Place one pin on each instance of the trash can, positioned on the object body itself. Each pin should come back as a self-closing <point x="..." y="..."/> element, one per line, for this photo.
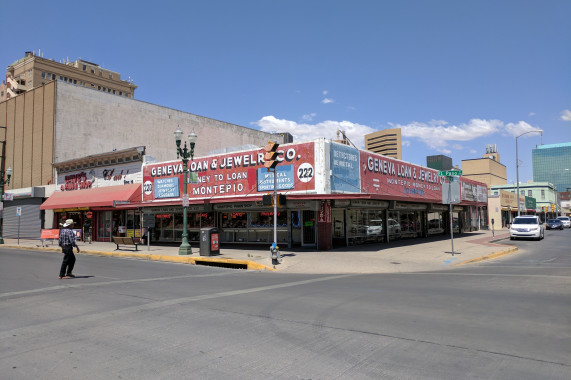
<point x="209" y="243"/>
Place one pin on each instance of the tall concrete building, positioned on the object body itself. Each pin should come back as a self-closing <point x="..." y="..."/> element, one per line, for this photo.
<point x="439" y="162"/>
<point x="33" y="71"/>
<point x="487" y="169"/>
<point x="552" y="163"/>
<point x="59" y="122"/>
<point x="387" y="142"/>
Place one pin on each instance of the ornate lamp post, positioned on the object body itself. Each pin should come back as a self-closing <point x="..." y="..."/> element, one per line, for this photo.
<point x="185" y="154"/>
<point x="2" y="183"/>
<point x="517" y="164"/>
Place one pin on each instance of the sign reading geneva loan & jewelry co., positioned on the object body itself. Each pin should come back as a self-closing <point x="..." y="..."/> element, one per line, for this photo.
<point x="232" y="174"/>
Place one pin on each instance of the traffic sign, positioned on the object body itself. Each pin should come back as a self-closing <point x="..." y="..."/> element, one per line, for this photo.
<point x="447" y="173"/>
<point x="19" y="211"/>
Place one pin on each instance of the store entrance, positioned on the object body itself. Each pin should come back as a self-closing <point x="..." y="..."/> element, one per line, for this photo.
<point x="308" y="229"/>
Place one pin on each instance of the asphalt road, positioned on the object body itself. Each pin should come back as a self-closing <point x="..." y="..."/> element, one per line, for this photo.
<point x="134" y="319"/>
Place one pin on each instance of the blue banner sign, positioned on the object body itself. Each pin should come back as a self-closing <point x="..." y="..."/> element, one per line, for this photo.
<point x="285" y="178"/>
<point x="345" y="169"/>
<point x="166" y="188"/>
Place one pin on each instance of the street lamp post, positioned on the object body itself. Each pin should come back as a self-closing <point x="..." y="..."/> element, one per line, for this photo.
<point x="185" y="154"/>
<point x="3" y="182"/>
<point x="517" y="164"/>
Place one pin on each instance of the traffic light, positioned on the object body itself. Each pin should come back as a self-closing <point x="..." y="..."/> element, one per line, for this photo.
<point x="552" y="207"/>
<point x="282" y="200"/>
<point x="267" y="200"/>
<point x="271" y="156"/>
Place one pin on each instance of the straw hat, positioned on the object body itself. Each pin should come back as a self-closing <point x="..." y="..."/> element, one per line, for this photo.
<point x="68" y="222"/>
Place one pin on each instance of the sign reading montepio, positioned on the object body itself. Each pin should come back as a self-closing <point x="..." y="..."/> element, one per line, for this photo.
<point x="386" y="176"/>
<point x="232" y="174"/>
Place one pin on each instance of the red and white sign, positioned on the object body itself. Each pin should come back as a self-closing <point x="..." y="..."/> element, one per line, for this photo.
<point x="235" y="174"/>
<point x="214" y="242"/>
<point x="398" y="179"/>
<point x="324" y="215"/>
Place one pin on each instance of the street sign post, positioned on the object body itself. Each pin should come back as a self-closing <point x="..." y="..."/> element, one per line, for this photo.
<point x="450" y="195"/>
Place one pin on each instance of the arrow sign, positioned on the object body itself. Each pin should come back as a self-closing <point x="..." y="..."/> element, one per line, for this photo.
<point x="448" y="173"/>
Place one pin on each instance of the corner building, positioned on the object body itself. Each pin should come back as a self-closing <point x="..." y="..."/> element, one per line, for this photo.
<point x="336" y="196"/>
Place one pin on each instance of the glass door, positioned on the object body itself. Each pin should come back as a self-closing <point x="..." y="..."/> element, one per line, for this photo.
<point x="309" y="225"/>
<point x="104" y="225"/>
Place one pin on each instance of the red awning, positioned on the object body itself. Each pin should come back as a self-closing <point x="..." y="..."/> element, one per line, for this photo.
<point x="97" y="197"/>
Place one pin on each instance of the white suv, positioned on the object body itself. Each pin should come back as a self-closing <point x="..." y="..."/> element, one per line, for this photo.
<point x="528" y="226"/>
<point x="565" y="220"/>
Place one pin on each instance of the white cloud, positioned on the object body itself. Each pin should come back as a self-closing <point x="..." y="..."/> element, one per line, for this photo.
<point x="309" y="116"/>
<point x="532" y="114"/>
<point x="437" y="133"/>
<point x="326" y="129"/>
<point x="519" y="128"/>
<point x="327" y="100"/>
<point x="473" y="151"/>
<point x="566" y="115"/>
<point x="325" y="92"/>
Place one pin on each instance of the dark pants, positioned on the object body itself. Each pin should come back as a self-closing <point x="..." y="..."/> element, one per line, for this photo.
<point x="68" y="260"/>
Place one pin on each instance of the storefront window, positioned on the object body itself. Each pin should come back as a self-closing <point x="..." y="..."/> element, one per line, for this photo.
<point x="410" y="223"/>
<point x="365" y="226"/>
<point x="266" y="219"/>
<point x="338" y="219"/>
<point x="234" y="220"/>
<point x="435" y="223"/>
<point x="207" y="219"/>
<point x="394" y="225"/>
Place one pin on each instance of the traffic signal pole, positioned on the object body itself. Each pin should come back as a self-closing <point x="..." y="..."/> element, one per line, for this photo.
<point x="275" y="207"/>
<point x="271" y="161"/>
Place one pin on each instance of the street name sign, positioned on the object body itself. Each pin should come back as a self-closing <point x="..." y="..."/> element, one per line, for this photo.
<point x="448" y="173"/>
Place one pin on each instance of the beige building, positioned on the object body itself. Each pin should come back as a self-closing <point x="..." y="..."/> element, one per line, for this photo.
<point x="487" y="169"/>
<point x="59" y="122"/>
<point x="387" y="142"/>
<point x="33" y="71"/>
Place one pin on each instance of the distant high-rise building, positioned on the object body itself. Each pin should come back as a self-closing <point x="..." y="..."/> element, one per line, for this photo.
<point x="487" y="169"/>
<point x="439" y="162"/>
<point x="386" y="142"/>
<point x="33" y="71"/>
<point x="552" y="163"/>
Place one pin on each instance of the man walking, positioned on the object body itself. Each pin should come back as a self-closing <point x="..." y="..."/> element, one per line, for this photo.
<point x="67" y="242"/>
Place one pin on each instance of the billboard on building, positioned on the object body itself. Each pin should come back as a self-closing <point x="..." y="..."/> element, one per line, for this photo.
<point x="232" y="174"/>
<point x="344" y="161"/>
<point x="398" y="179"/>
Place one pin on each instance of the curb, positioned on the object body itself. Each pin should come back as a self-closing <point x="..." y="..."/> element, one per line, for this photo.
<point x="250" y="265"/>
<point x="490" y="256"/>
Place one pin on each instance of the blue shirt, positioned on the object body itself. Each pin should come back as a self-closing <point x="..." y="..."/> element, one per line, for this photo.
<point x="67" y="237"/>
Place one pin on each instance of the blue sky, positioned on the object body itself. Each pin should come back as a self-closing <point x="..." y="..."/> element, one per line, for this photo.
<point x="454" y="75"/>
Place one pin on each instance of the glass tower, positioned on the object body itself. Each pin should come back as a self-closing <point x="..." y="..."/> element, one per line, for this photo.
<point x="552" y="163"/>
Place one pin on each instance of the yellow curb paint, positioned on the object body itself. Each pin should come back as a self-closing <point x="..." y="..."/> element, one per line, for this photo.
<point x="489" y="257"/>
<point x="250" y="265"/>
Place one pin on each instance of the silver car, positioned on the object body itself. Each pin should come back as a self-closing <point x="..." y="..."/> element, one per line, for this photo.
<point x="565" y="220"/>
<point x="527" y="226"/>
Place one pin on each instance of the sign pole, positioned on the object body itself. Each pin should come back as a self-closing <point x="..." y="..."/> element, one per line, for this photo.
<point x="275" y="207"/>
<point x="450" y="179"/>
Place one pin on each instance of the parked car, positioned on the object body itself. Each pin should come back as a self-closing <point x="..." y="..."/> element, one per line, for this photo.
<point x="527" y="226"/>
<point x="554" y="224"/>
<point x="565" y="220"/>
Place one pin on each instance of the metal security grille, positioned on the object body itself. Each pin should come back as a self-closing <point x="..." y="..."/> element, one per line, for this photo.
<point x="30" y="221"/>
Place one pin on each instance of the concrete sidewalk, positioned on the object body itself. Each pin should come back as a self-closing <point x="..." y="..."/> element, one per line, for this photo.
<point x="415" y="255"/>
